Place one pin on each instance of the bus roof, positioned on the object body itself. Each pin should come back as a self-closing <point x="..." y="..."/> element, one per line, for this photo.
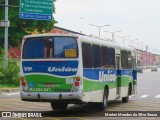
<point x="85" y="38"/>
<point x="105" y="42"/>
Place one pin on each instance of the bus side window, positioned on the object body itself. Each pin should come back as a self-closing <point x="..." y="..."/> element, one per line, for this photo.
<point x="108" y="57"/>
<point x="87" y="55"/>
<point x="105" y="56"/>
<point x="112" y="57"/>
<point x="130" y="65"/>
<point x="124" y="59"/>
<point x="96" y="53"/>
<point x="47" y="49"/>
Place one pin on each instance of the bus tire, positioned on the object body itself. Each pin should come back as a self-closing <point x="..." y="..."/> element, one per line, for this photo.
<point x="126" y="99"/>
<point x="103" y="104"/>
<point x="59" y="106"/>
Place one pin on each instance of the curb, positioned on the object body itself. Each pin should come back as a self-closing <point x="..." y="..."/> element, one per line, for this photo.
<point x="9" y="90"/>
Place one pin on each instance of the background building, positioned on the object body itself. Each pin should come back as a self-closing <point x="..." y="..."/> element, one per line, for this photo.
<point x="144" y="58"/>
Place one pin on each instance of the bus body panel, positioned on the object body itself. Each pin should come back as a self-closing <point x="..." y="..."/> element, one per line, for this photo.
<point x="53" y="79"/>
<point x="51" y="96"/>
<point x="50" y="76"/>
<point x="95" y="80"/>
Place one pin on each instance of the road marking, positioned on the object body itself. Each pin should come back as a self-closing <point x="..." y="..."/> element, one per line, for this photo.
<point x="157" y="96"/>
<point x="144" y="96"/>
<point x="131" y="96"/>
<point x="10" y="93"/>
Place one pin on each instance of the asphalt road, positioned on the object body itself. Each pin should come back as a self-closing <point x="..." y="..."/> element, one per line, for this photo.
<point x="147" y="99"/>
<point x="148" y="86"/>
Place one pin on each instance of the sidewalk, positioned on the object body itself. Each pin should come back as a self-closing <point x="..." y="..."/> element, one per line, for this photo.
<point x="9" y="90"/>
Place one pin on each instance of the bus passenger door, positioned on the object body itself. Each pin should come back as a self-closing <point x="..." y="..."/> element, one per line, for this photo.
<point x="118" y="72"/>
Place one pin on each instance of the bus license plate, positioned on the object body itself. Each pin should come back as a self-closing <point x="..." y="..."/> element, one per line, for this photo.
<point x="49" y="85"/>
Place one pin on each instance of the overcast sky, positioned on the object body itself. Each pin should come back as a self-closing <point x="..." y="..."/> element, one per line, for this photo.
<point x="140" y="19"/>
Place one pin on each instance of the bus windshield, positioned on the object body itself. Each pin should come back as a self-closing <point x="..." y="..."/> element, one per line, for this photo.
<point x="50" y="47"/>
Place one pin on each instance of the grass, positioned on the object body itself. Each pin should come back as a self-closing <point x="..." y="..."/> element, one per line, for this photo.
<point x="8" y="86"/>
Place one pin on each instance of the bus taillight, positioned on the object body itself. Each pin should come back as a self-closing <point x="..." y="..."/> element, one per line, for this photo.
<point x="76" y="83"/>
<point x="78" y="78"/>
<point x="22" y="78"/>
<point x="23" y="83"/>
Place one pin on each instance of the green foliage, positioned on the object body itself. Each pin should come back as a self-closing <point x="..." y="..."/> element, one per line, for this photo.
<point x="9" y="76"/>
<point x="20" y="27"/>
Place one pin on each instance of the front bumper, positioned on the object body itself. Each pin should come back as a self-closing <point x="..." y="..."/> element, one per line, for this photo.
<point x="48" y="97"/>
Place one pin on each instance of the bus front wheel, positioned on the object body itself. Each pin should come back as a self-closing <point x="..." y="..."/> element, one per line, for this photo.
<point x="59" y="106"/>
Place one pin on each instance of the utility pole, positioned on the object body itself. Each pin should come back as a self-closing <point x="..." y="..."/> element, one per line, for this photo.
<point x="113" y="38"/>
<point x="6" y="36"/>
<point x="132" y="41"/>
<point x="99" y="28"/>
<point x="123" y="37"/>
<point x="5" y="23"/>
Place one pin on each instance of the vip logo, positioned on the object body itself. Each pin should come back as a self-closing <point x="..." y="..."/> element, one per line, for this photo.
<point x="27" y="68"/>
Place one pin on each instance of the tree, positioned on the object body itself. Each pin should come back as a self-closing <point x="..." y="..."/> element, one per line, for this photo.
<point x="20" y="27"/>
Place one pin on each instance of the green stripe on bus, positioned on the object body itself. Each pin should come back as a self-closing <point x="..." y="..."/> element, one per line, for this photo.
<point x="124" y="81"/>
<point x="89" y="85"/>
<point x="41" y="81"/>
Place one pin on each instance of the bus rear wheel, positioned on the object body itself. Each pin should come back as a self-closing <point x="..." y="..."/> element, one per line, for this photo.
<point x="103" y="104"/>
<point x="126" y="99"/>
<point x="59" y="106"/>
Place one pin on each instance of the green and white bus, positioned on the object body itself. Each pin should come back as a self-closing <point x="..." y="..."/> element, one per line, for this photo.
<point x="73" y="69"/>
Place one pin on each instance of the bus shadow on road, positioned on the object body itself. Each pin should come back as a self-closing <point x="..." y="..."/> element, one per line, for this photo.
<point x="84" y="110"/>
